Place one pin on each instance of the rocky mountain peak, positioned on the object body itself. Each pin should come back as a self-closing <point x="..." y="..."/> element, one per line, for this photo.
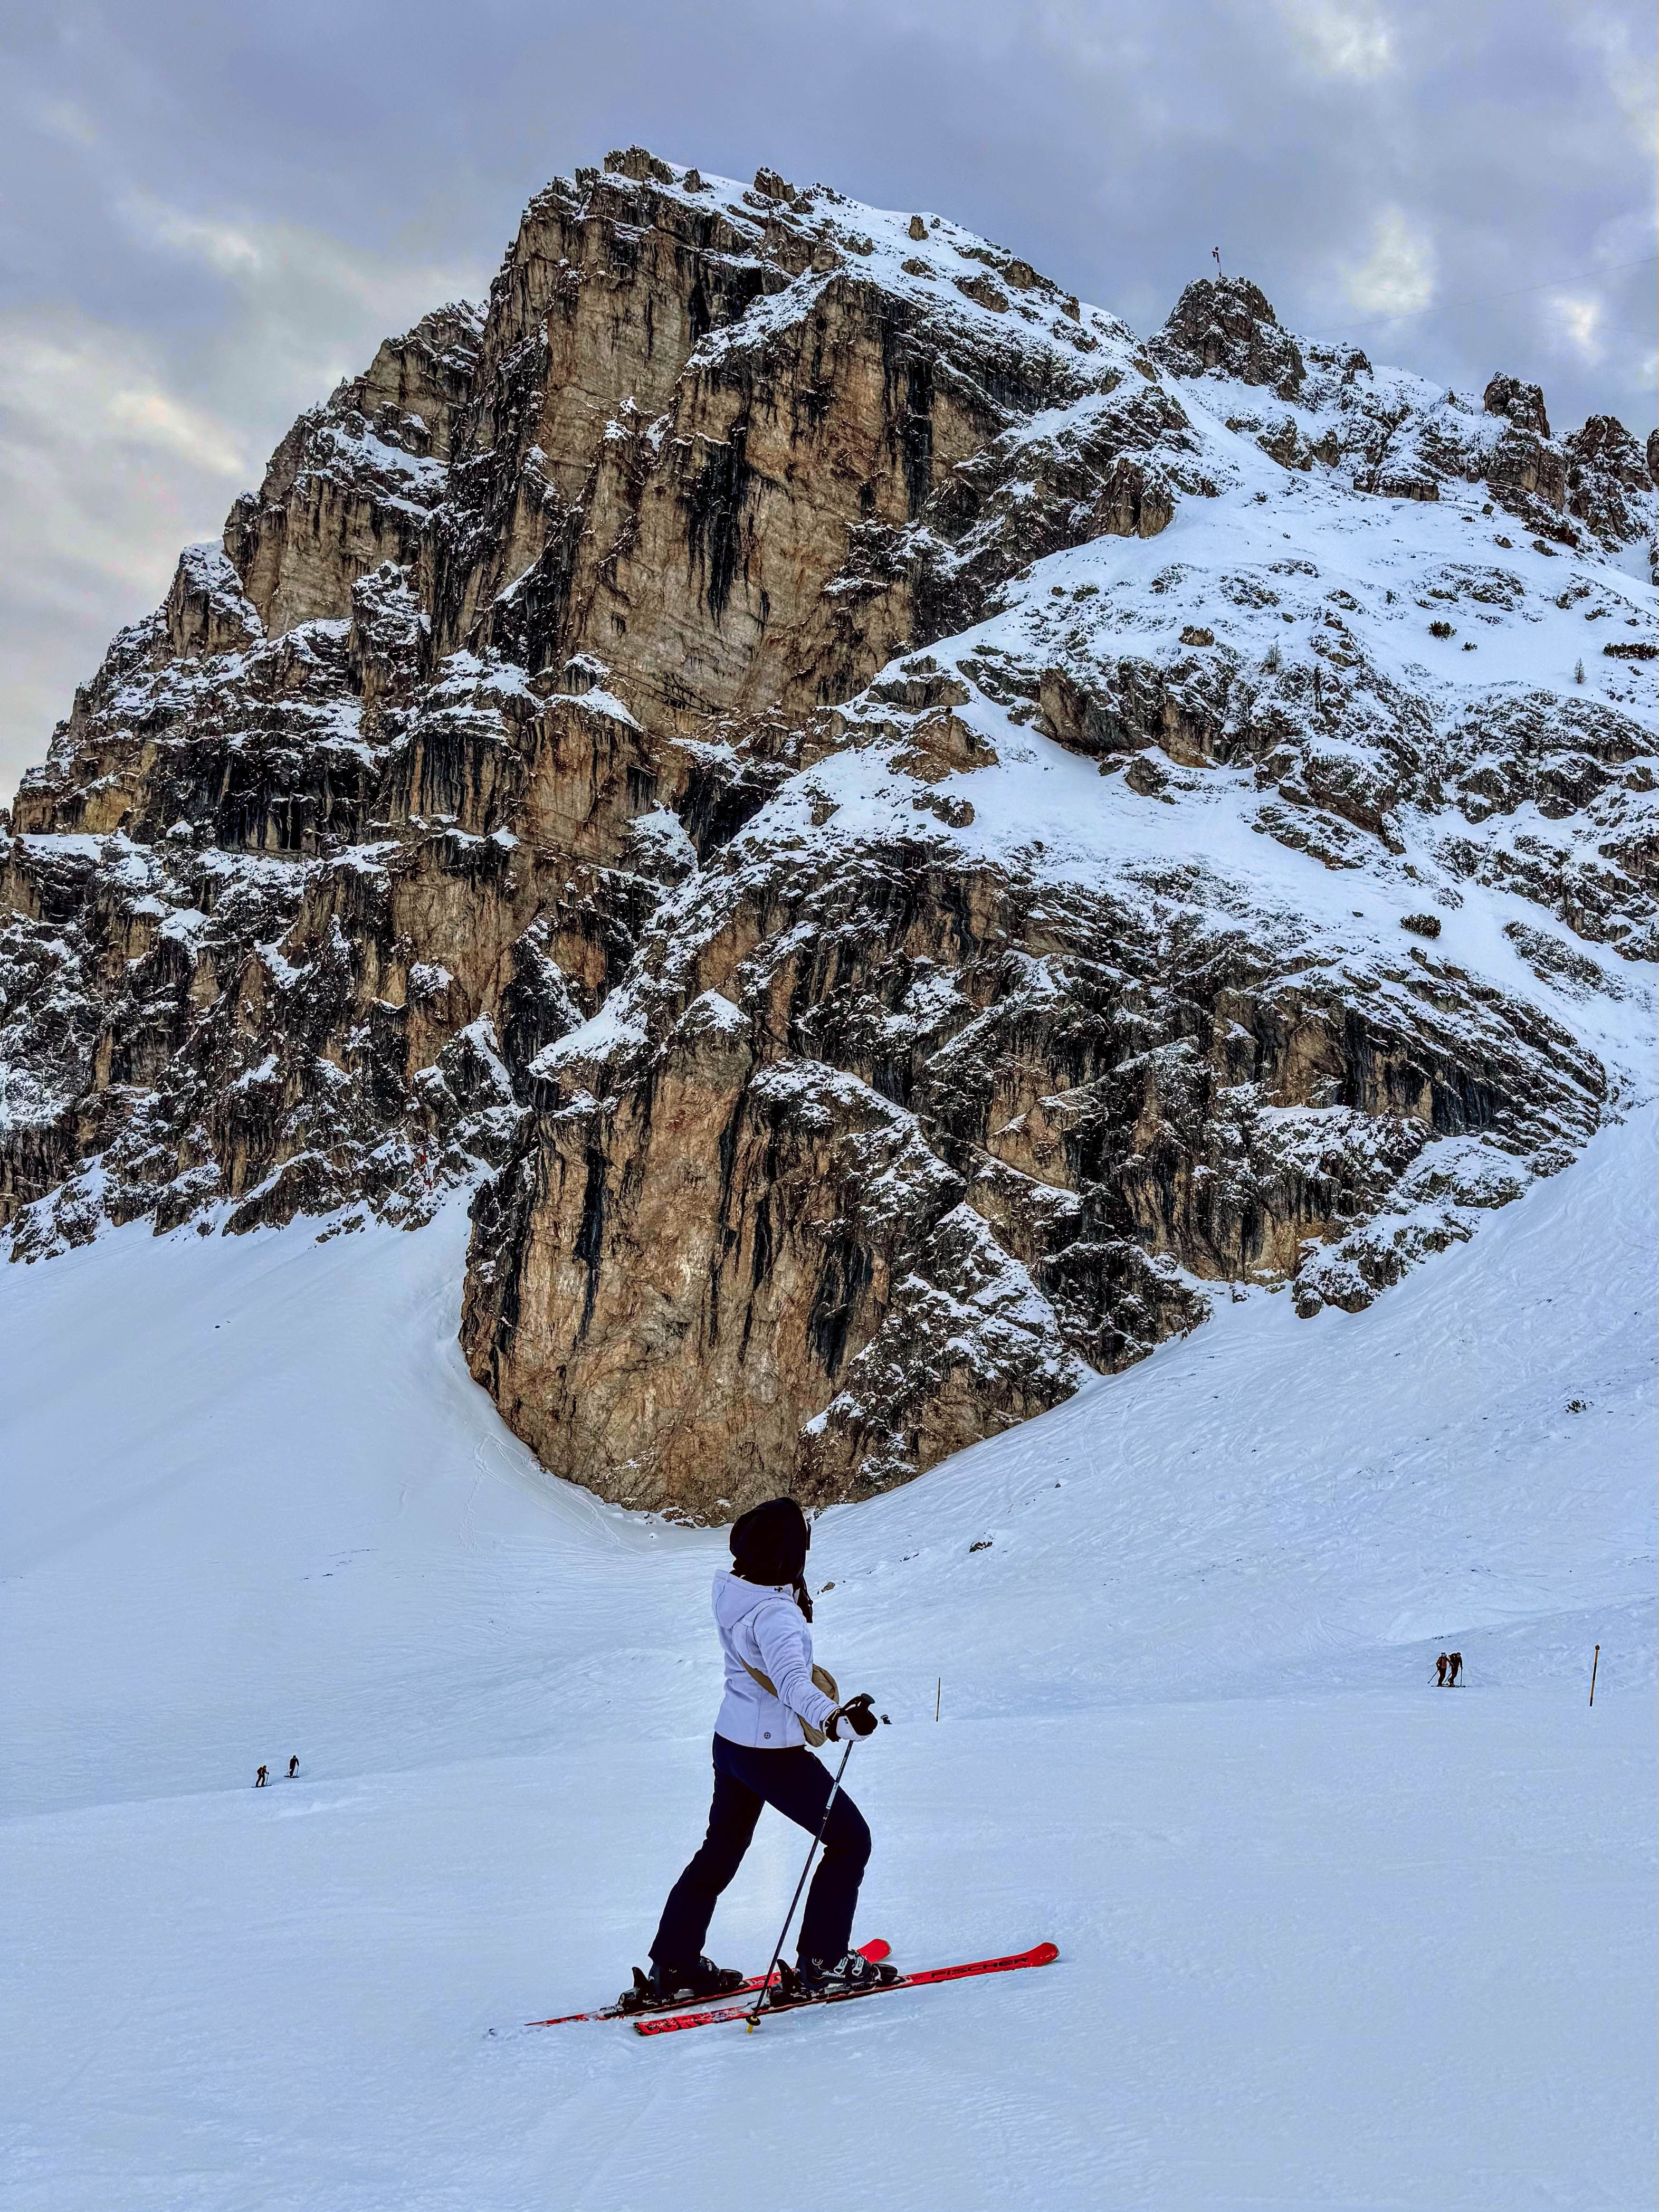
<point x="898" y="838"/>
<point x="1518" y="402"/>
<point x="1227" y="323"/>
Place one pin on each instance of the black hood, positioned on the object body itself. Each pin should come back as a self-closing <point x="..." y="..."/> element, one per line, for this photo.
<point x="770" y="1542"/>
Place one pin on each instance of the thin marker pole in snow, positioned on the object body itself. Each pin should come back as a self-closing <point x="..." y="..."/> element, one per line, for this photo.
<point x="1594" y="1663"/>
<point x="939" y="1691"/>
<point x="777" y="1948"/>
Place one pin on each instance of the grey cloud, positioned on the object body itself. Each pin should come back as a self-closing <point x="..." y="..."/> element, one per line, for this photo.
<point x="211" y="214"/>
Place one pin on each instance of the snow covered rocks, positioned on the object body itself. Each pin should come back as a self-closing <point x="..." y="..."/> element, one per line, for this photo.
<point x="895" y="832"/>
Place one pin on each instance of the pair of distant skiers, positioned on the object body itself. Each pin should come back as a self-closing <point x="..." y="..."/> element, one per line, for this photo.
<point x="263" y="1775"/>
<point x="1447" y="1669"/>
<point x="775" y="1701"/>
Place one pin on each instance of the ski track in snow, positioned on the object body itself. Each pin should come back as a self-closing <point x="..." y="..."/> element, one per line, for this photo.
<point x="1328" y="1937"/>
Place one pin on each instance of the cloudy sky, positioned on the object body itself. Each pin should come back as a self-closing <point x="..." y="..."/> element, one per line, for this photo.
<point x="210" y="212"/>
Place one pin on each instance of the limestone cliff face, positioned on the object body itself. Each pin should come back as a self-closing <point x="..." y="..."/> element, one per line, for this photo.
<point x="894" y="832"/>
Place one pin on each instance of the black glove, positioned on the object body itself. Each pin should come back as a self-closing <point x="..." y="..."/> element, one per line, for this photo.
<point x="856" y="1713"/>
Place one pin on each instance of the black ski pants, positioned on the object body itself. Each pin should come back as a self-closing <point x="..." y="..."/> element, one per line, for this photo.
<point x="793" y="1781"/>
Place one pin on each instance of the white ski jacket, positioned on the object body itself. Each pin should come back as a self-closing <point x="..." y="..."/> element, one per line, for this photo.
<point x="766" y="1627"/>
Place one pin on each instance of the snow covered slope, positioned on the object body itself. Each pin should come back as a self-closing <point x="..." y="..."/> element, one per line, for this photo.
<point x="1328" y="1937"/>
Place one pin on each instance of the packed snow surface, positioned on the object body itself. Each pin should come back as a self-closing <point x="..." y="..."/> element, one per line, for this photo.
<point x="1328" y="1936"/>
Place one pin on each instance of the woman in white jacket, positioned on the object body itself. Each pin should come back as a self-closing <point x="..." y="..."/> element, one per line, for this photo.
<point x="763" y="1614"/>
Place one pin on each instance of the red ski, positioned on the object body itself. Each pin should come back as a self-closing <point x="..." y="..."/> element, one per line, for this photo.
<point x="875" y="1952"/>
<point x="1043" y="1955"/>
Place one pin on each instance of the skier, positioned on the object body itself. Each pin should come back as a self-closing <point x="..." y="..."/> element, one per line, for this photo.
<point x="1453" y="1668"/>
<point x="294" y="1766"/>
<point x="260" y="1779"/>
<point x="775" y="1701"/>
<point x="1440" y="1666"/>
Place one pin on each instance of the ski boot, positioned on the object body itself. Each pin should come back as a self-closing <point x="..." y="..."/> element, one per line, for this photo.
<point x="851" y="1975"/>
<point x="665" y="1986"/>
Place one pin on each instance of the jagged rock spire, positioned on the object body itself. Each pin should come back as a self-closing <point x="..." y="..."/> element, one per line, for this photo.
<point x="1227" y="323"/>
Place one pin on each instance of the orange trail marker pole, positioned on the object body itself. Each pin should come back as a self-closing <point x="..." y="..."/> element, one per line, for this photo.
<point x="1594" y="1663"/>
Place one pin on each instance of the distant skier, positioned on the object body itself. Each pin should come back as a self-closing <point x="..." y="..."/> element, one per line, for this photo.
<point x="260" y="1779"/>
<point x="775" y="1701"/>
<point x="294" y="1766"/>
<point x="1440" y="1667"/>
<point x="1453" y="1668"/>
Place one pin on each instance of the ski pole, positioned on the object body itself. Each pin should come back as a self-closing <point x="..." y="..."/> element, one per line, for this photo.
<point x="777" y="1949"/>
